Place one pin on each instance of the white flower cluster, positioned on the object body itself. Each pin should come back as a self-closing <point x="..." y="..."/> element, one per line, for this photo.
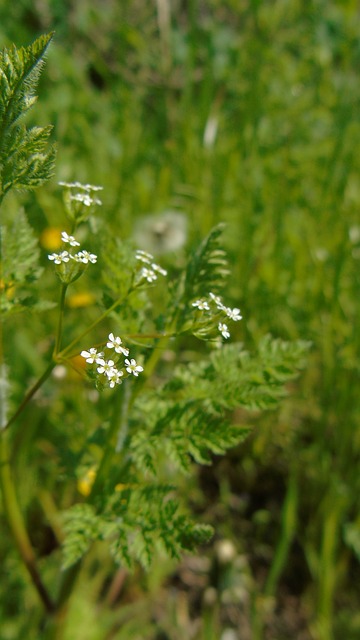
<point x="108" y="370"/>
<point x="84" y="195"/>
<point x="82" y="187"/>
<point x="85" y="199"/>
<point x="151" y="270"/>
<point x="207" y="305"/>
<point x="81" y="256"/>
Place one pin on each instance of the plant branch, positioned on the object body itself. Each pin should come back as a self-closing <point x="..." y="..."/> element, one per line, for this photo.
<point x="64" y="352"/>
<point x="61" y="318"/>
<point x="30" y="394"/>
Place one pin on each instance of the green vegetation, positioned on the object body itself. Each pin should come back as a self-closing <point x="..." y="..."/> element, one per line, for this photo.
<point x="244" y="113"/>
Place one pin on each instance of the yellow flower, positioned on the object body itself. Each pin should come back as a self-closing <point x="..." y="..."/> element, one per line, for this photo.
<point x="81" y="299"/>
<point x="50" y="238"/>
<point x="85" y="483"/>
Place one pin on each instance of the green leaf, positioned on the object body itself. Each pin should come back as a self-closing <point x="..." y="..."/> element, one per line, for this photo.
<point x="82" y="528"/>
<point x="188" y="419"/>
<point x="207" y="269"/>
<point x="25" y="159"/>
<point x="19" y="267"/>
<point x="146" y="517"/>
<point x="206" y="272"/>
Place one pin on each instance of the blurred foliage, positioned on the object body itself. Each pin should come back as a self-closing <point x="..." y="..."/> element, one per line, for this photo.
<point x="247" y="113"/>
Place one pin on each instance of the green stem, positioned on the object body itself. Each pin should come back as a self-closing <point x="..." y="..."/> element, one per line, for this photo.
<point x="30" y="394"/>
<point x="61" y="319"/>
<point x="288" y="530"/>
<point x="17" y="526"/>
<point x="152" y="362"/>
<point x="71" y="574"/>
<point x="103" y="469"/>
<point x="94" y="324"/>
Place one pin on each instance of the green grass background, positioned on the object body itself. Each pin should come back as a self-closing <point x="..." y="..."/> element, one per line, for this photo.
<point x="248" y="112"/>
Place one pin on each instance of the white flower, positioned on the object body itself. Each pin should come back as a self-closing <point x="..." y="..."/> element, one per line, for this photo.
<point x="159" y="269"/>
<point x="78" y="185"/>
<point x="85" y="199"/>
<point x="92" y="355"/>
<point x="217" y="301"/>
<point x="148" y="274"/>
<point x="115" y="343"/>
<point x="106" y="367"/>
<point x="144" y="256"/>
<point x="202" y="305"/>
<point x="85" y="257"/>
<point x="115" y="378"/>
<point x="224" y="330"/>
<point x="70" y="185"/>
<point x="70" y="239"/>
<point x="233" y="314"/>
<point x="92" y="187"/>
<point x="132" y="367"/>
<point x="58" y="258"/>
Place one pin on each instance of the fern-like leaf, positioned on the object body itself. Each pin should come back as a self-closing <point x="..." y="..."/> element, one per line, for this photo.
<point x="188" y="419"/>
<point x="149" y="517"/>
<point x="20" y="269"/>
<point x="25" y="159"/>
<point x="207" y="271"/>
<point x="82" y="528"/>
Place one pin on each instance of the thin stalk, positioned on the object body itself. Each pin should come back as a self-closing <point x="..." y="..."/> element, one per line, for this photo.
<point x="335" y="506"/>
<point x="151" y="364"/>
<point x="30" y="394"/>
<point x="61" y="319"/>
<point x="288" y="530"/>
<point x="64" y="352"/>
<point x="110" y="449"/>
<point x="17" y="525"/>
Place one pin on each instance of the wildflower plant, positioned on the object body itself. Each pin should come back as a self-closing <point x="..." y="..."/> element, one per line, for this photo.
<point x="158" y="423"/>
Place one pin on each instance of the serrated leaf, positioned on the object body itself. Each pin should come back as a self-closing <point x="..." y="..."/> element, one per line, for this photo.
<point x="20" y="269"/>
<point x="25" y="160"/>
<point x="82" y="527"/>
<point x="206" y="272"/>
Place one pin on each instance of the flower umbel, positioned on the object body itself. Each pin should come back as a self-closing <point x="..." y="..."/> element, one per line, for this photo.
<point x="80" y="200"/>
<point x="216" y="314"/>
<point x="71" y="272"/>
<point x="151" y="271"/>
<point x="109" y="371"/>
